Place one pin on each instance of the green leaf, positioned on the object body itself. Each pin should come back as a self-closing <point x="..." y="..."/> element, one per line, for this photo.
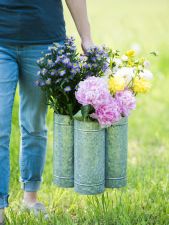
<point x="70" y="109"/>
<point x="155" y="53"/>
<point x="78" y="116"/>
<point x="86" y="110"/>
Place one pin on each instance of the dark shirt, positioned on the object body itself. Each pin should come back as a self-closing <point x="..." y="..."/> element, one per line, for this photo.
<point x="31" y="21"/>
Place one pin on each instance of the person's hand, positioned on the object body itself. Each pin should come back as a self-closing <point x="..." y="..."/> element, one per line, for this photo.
<point x="86" y="44"/>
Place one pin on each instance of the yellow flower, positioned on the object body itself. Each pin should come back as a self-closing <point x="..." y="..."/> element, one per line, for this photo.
<point x="130" y="53"/>
<point x="116" y="84"/>
<point x="130" y="63"/>
<point x="141" y="85"/>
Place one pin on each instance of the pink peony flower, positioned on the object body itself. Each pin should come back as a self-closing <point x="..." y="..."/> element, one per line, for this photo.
<point x="93" y="91"/>
<point x="126" y="101"/>
<point x="107" y="114"/>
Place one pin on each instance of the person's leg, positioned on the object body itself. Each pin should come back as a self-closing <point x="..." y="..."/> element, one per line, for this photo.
<point x="33" y="110"/>
<point x="8" y="82"/>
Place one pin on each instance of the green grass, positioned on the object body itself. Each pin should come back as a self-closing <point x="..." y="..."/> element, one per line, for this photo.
<point x="144" y="201"/>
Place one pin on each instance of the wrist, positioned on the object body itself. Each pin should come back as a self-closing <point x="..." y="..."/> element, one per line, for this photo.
<point x="86" y="38"/>
<point x="86" y="44"/>
<point x="86" y="34"/>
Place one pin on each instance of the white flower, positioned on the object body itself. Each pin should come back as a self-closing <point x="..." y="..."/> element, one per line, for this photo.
<point x="106" y="75"/>
<point x="125" y="72"/>
<point x="147" y="64"/>
<point x="115" y="69"/>
<point x="117" y="61"/>
<point x="104" y="80"/>
<point x="108" y="72"/>
<point x="146" y="74"/>
<point x="140" y="67"/>
<point x="136" y="47"/>
<point x="124" y="58"/>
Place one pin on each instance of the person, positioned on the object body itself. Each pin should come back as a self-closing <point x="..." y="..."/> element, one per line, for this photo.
<point x="26" y="29"/>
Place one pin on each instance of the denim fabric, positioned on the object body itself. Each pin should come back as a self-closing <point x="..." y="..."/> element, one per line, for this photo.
<point x="18" y="64"/>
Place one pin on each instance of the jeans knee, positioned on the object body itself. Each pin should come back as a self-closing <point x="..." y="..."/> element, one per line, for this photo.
<point x="33" y="122"/>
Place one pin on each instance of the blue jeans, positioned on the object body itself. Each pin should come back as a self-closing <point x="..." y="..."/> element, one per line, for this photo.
<point x="18" y="63"/>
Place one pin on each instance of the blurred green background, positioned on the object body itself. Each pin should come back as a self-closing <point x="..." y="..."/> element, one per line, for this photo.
<point x="120" y="25"/>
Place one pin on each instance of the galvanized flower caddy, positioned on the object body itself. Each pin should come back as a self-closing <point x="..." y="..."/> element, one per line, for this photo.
<point x="116" y="154"/>
<point x="63" y="151"/>
<point x="89" y="156"/>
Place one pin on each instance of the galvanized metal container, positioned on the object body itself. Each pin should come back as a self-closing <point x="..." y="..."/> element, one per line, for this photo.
<point x="116" y="154"/>
<point x="89" y="158"/>
<point x="63" y="151"/>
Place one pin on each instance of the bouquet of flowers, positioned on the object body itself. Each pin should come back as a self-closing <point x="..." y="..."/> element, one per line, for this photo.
<point x="111" y="96"/>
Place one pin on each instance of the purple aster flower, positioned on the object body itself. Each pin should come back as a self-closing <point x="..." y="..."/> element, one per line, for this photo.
<point x="95" y="65"/>
<point x="72" y="48"/>
<point x="62" y="57"/>
<point x="58" y="59"/>
<point x="86" y="66"/>
<point x="50" y="48"/>
<point x="62" y="73"/>
<point x="75" y="70"/>
<point x="67" y="89"/>
<point x="74" y="65"/>
<point x="68" y="54"/>
<point x="66" y="61"/>
<point x="48" y="54"/>
<point x="39" y="73"/>
<point x="69" y="65"/>
<point x="37" y="82"/>
<point x="50" y="63"/>
<point x="48" y="81"/>
<point x="42" y="83"/>
<point x="60" y="52"/>
<point x="83" y="58"/>
<point x="44" y="71"/>
<point x="105" y="66"/>
<point x="40" y="61"/>
<point x="94" y="59"/>
<point x="53" y="72"/>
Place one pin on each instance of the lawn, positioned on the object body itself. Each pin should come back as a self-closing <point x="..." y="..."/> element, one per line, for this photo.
<point x="145" y="200"/>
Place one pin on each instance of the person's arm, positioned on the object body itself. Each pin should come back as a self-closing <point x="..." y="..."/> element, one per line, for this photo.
<point x="78" y="10"/>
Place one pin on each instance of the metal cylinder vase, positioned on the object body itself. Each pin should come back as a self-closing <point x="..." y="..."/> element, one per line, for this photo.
<point x="63" y="151"/>
<point x="89" y="158"/>
<point x="116" y="154"/>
